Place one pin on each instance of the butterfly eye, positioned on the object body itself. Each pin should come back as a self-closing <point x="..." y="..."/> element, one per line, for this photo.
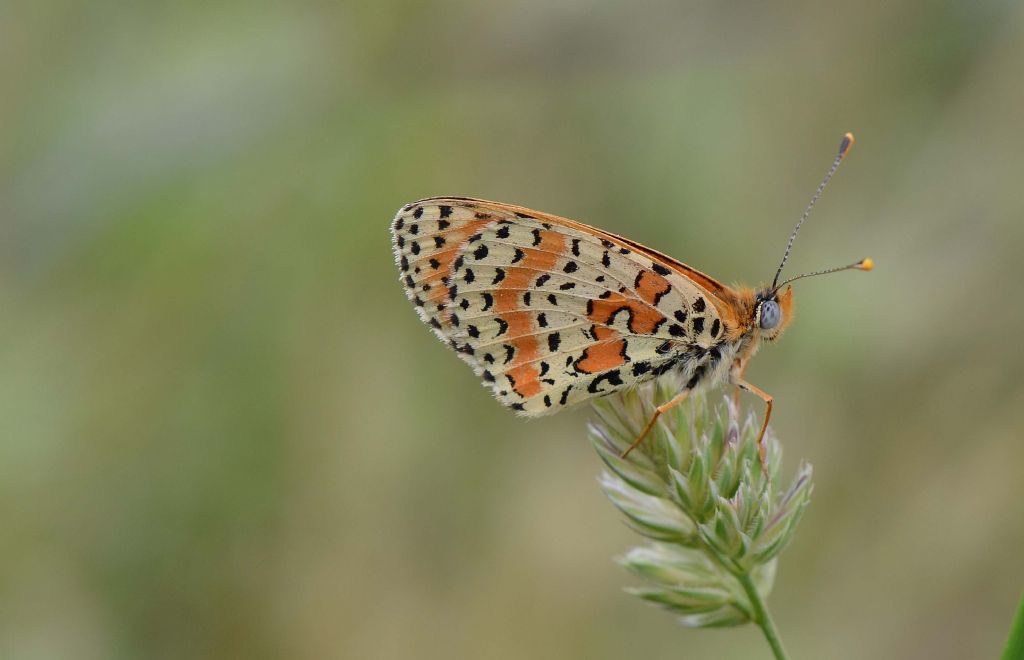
<point x="770" y="315"/>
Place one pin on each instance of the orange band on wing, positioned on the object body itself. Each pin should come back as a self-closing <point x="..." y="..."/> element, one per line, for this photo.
<point x="605" y="355"/>
<point x="643" y="320"/>
<point x="526" y="380"/>
<point x="520" y="323"/>
<point x="651" y="286"/>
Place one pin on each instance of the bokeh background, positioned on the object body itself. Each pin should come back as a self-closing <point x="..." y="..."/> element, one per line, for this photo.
<point x="224" y="433"/>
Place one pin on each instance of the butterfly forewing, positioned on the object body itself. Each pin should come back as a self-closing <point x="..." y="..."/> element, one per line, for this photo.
<point x="548" y="311"/>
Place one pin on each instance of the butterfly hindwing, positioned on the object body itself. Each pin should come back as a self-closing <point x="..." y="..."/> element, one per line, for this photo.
<point x="549" y="312"/>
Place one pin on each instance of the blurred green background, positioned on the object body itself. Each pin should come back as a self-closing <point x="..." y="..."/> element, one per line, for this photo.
<point x="224" y="433"/>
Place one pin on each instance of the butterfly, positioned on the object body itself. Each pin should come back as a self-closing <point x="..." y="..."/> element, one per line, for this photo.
<point x="551" y="312"/>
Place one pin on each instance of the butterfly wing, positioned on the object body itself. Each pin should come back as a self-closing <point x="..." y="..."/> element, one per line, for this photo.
<point x="548" y="311"/>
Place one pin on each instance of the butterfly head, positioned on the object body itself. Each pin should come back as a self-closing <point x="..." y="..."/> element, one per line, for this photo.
<point x="773" y="310"/>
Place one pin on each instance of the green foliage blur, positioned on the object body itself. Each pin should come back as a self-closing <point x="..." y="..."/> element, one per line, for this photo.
<point x="225" y="434"/>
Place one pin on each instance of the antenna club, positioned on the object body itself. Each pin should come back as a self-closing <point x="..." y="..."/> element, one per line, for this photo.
<point x="846" y="145"/>
<point x="867" y="264"/>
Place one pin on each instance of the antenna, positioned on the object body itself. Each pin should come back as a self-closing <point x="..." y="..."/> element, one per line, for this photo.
<point x="844" y="148"/>
<point x="863" y="264"/>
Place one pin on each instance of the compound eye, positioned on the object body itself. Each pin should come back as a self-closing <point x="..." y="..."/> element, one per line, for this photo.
<point x="770" y="315"/>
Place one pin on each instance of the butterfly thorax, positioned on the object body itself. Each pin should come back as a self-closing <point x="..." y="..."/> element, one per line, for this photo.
<point x="749" y="333"/>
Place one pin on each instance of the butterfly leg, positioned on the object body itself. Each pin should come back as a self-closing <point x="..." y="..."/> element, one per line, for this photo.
<point x="738" y="370"/>
<point x="663" y="408"/>
<point x="767" y="398"/>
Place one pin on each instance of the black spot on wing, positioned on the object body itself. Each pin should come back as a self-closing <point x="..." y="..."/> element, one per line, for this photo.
<point x="613" y="377"/>
<point x="641" y="368"/>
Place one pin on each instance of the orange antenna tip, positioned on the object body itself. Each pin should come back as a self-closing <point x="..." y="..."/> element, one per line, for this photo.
<point x="867" y="264"/>
<point x="846" y="145"/>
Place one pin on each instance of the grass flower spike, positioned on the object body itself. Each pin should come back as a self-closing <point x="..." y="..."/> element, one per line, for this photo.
<point x="696" y="487"/>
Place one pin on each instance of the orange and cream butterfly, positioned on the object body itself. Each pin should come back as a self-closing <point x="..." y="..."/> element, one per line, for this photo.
<point x="551" y="312"/>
